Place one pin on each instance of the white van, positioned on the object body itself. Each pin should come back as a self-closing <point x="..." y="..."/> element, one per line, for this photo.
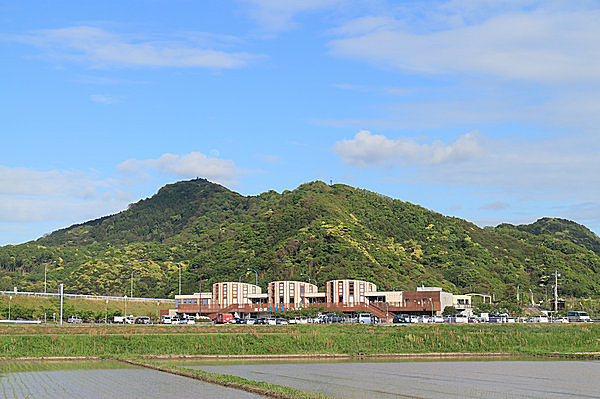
<point x="576" y="316"/>
<point x="165" y="319"/>
<point x="365" y="318"/>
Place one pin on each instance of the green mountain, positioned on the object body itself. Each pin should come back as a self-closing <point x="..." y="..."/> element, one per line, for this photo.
<point x="563" y="230"/>
<point x="316" y="230"/>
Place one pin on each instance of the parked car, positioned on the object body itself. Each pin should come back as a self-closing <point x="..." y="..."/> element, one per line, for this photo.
<point x="539" y="319"/>
<point x="401" y="318"/>
<point x="142" y="320"/>
<point x="251" y="321"/>
<point x="457" y="318"/>
<point x="437" y="319"/>
<point x="74" y="320"/>
<point x="165" y="319"/>
<point x="282" y="322"/>
<point x="561" y="320"/>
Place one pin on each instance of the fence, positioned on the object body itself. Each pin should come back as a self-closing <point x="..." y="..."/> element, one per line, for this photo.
<point x="84" y="296"/>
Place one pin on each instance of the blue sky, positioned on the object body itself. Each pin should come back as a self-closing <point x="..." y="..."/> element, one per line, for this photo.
<point x="484" y="110"/>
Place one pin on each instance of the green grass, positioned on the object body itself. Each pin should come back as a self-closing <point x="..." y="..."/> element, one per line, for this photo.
<point x="260" y="387"/>
<point x="130" y="341"/>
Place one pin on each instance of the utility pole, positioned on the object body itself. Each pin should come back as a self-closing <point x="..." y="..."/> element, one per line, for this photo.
<point x="45" y="274"/>
<point x="556" y="275"/>
<point x="61" y="303"/>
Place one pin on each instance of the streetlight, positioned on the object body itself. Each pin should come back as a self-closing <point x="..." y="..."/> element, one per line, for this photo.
<point x="157" y="313"/>
<point x="9" y="301"/>
<point x="45" y="274"/>
<point x="179" y="270"/>
<point x="309" y="279"/>
<point x="255" y="274"/>
<point x="125" y="306"/>
<point x="431" y="300"/>
<point x="106" y="313"/>
<point x="200" y="299"/>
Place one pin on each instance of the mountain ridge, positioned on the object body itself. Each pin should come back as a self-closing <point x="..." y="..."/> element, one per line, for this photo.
<point x="317" y="230"/>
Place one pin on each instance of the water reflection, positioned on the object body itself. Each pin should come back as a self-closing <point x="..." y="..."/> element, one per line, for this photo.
<point x="102" y="380"/>
<point x="429" y="379"/>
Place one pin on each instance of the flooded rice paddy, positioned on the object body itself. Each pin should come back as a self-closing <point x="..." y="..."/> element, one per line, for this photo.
<point x="102" y="379"/>
<point x="429" y="379"/>
<point x="348" y="380"/>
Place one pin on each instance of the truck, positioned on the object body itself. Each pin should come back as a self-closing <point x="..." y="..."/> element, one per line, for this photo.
<point x="119" y="319"/>
<point x="224" y="318"/>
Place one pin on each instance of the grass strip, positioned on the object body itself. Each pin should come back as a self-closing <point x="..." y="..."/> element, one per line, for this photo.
<point x="230" y="381"/>
<point x="351" y="340"/>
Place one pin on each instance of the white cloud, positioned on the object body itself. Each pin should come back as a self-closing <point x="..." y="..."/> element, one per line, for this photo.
<point x="103" y="49"/>
<point x="389" y="90"/>
<point x="543" y="45"/>
<point x="367" y="149"/>
<point x="194" y="164"/>
<point x="28" y="182"/>
<point x="277" y="15"/>
<point x="28" y="195"/>
<point x="563" y="168"/>
<point x="105" y="99"/>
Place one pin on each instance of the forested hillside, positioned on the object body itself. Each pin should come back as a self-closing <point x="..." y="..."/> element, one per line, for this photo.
<point x="317" y="230"/>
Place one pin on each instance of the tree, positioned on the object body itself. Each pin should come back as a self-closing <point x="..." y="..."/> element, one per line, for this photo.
<point x="448" y="310"/>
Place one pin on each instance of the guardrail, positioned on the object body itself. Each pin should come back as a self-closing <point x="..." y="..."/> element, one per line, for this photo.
<point x="114" y="298"/>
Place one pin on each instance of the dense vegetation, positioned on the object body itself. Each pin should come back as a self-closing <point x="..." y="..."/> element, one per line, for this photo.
<point x="317" y="230"/>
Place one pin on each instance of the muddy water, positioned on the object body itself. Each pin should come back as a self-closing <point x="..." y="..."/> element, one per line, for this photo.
<point x="430" y="379"/>
<point x="102" y="380"/>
